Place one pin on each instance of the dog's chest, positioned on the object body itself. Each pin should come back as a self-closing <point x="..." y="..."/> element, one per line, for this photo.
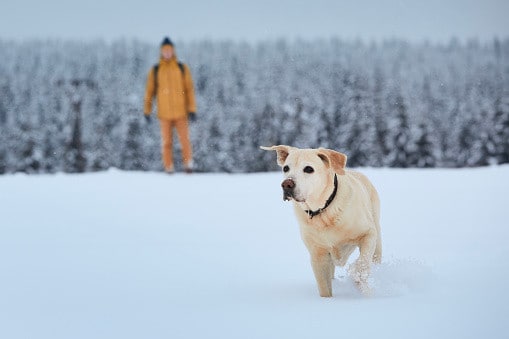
<point x="325" y="234"/>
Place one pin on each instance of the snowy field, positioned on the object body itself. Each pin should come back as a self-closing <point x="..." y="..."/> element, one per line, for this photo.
<point x="147" y="255"/>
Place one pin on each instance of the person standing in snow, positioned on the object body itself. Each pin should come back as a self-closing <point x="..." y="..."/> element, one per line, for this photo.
<point x="170" y="81"/>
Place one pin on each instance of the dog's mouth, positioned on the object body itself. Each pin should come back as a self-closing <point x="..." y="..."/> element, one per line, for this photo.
<point x="288" y="195"/>
<point x="288" y="186"/>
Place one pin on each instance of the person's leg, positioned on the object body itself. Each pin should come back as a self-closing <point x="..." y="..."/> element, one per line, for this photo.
<point x="182" y="126"/>
<point x="167" y="144"/>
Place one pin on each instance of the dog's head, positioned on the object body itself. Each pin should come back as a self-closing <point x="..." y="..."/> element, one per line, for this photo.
<point x="309" y="173"/>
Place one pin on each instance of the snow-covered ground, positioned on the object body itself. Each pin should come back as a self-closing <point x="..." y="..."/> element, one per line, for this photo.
<point x="147" y="255"/>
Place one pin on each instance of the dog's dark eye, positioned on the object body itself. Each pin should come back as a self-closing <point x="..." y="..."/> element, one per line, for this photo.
<point x="286" y="168"/>
<point x="308" y="169"/>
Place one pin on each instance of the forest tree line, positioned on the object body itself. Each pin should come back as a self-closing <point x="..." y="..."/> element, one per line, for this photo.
<point x="70" y="106"/>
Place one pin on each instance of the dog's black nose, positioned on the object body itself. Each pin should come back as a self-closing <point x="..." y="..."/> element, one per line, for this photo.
<point x="288" y="184"/>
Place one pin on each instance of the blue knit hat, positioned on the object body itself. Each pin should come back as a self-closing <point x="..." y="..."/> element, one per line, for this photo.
<point x="166" y="41"/>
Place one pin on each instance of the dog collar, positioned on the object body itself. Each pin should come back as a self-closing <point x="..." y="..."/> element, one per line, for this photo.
<point x="327" y="203"/>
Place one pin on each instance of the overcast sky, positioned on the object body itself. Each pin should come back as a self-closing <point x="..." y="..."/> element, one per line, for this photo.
<point x="185" y="20"/>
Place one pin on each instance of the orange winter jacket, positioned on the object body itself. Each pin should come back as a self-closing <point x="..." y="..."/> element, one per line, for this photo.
<point x="175" y="92"/>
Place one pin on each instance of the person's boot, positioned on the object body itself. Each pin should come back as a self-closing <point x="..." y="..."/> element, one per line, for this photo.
<point x="169" y="170"/>
<point x="188" y="168"/>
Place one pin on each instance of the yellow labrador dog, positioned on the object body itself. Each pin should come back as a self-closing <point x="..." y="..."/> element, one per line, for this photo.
<point x="337" y="209"/>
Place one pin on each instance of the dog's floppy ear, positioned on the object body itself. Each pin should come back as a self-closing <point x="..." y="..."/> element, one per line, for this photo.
<point x="282" y="152"/>
<point x="333" y="159"/>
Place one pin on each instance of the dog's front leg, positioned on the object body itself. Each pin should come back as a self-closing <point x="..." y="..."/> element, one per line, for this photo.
<point x="323" y="269"/>
<point x="362" y="266"/>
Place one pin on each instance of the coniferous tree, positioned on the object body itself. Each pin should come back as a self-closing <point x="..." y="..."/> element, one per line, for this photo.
<point x="400" y="140"/>
<point x="501" y="132"/>
<point x="132" y="158"/>
<point x="424" y="156"/>
<point x="74" y="157"/>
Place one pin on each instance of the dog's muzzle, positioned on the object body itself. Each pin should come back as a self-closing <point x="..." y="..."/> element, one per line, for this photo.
<point x="288" y="186"/>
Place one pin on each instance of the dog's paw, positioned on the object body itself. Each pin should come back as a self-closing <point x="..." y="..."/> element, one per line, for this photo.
<point x="365" y="289"/>
<point x="359" y="273"/>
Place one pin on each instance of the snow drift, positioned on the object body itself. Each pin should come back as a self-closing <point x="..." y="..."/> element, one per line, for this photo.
<point x="147" y="255"/>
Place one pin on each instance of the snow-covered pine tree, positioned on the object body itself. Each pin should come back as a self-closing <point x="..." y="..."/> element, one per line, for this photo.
<point x="501" y="130"/>
<point x="132" y="154"/>
<point x="424" y="155"/>
<point x="401" y="145"/>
